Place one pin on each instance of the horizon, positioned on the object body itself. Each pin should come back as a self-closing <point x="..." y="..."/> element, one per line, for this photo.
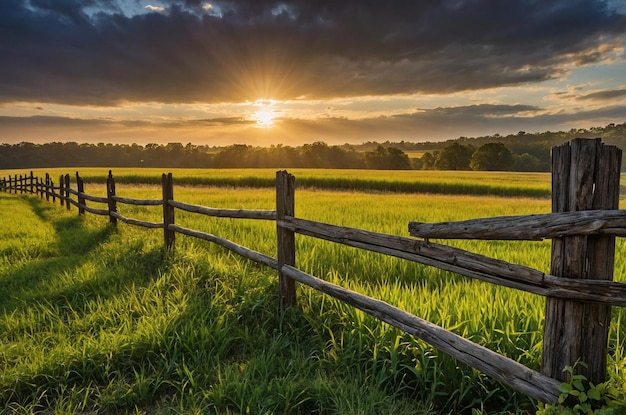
<point x="264" y="72"/>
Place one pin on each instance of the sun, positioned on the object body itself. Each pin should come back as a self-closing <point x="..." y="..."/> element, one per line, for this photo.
<point x="264" y="117"/>
<point x="265" y="113"/>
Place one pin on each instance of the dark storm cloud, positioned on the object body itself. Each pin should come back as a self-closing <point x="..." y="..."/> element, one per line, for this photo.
<point x="91" y="53"/>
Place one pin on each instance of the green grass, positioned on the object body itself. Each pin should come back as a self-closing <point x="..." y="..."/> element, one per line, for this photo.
<point x="99" y="319"/>
<point x="509" y="184"/>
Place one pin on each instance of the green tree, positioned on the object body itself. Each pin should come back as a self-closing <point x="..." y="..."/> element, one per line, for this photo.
<point x="526" y="162"/>
<point x="387" y="158"/>
<point x="454" y="157"/>
<point x="492" y="156"/>
<point x="428" y="160"/>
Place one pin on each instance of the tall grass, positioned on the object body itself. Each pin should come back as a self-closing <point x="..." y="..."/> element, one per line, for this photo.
<point x="96" y="318"/>
<point x="509" y="184"/>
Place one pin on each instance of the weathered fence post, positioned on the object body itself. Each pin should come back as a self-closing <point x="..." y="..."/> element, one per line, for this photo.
<point x="47" y="187"/>
<point x="67" y="192"/>
<point x="80" y="186"/>
<point x="585" y="175"/>
<point x="285" y="206"/>
<point x="168" y="210"/>
<point x="110" y="197"/>
<point x="32" y="181"/>
<point x="61" y="190"/>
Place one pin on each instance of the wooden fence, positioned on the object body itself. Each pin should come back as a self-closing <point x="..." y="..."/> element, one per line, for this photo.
<point x="579" y="290"/>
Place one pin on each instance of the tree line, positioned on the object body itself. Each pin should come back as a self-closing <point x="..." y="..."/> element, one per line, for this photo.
<point x="518" y="152"/>
<point x="175" y="155"/>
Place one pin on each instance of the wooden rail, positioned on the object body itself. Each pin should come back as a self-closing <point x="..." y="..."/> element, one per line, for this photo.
<point x="585" y="290"/>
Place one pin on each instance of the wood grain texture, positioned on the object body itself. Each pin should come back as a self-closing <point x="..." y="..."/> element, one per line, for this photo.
<point x="286" y="240"/>
<point x="585" y="177"/>
<point x="527" y="227"/>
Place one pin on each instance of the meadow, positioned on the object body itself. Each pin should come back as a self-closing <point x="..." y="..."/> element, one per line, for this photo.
<point x="406" y="181"/>
<point x="99" y="319"/>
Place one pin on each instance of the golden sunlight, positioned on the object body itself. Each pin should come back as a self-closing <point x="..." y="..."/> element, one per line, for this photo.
<point x="264" y="117"/>
<point x="265" y="114"/>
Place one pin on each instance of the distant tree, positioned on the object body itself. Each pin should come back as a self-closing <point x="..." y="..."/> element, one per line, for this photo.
<point x="387" y="158"/>
<point x="492" y="156"/>
<point x="526" y="162"/>
<point x="454" y="157"/>
<point x="428" y="160"/>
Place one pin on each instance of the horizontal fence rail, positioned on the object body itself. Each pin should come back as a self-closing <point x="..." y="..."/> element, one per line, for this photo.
<point x="464" y="263"/>
<point x="528" y="227"/>
<point x="537" y="385"/>
<point x="225" y="213"/>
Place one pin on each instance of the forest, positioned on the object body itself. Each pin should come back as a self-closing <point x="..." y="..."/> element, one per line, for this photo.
<point x="517" y="152"/>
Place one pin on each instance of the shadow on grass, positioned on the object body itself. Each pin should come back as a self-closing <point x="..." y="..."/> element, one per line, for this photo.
<point x="77" y="247"/>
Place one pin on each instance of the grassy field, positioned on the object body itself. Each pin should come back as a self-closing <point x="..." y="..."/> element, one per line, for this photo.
<point x="403" y="181"/>
<point x="100" y="319"/>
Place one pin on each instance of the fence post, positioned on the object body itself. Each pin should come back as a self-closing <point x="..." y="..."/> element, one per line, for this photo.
<point x="67" y="192"/>
<point x="61" y="190"/>
<point x="285" y="206"/>
<point x="80" y="186"/>
<point x="32" y="179"/>
<point x="585" y="175"/>
<point x="110" y="196"/>
<point x="47" y="187"/>
<point x="168" y="210"/>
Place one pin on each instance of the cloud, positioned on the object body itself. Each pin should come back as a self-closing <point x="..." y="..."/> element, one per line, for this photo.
<point x="604" y="95"/>
<point x="434" y="124"/>
<point x="154" y="8"/>
<point x="62" y="51"/>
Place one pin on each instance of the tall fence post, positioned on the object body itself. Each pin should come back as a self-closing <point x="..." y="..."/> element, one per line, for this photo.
<point x="168" y="210"/>
<point x="67" y="192"/>
<point x="80" y="187"/>
<point x="285" y="206"/>
<point x="32" y="182"/>
<point x="585" y="175"/>
<point x="110" y="197"/>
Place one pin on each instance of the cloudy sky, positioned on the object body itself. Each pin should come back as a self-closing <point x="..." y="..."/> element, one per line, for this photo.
<point x="265" y="72"/>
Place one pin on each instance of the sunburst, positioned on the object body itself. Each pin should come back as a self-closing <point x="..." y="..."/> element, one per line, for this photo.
<point x="265" y="115"/>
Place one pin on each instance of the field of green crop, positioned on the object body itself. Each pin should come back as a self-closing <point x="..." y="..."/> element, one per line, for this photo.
<point x="404" y="181"/>
<point x="99" y="319"/>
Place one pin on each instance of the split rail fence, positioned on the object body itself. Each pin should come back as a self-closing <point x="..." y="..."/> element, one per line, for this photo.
<point x="579" y="288"/>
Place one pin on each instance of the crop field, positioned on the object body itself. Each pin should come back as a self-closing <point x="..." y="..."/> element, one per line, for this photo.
<point x="406" y="181"/>
<point x="99" y="319"/>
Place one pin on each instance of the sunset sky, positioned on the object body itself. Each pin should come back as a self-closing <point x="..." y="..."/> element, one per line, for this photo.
<point x="290" y="72"/>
